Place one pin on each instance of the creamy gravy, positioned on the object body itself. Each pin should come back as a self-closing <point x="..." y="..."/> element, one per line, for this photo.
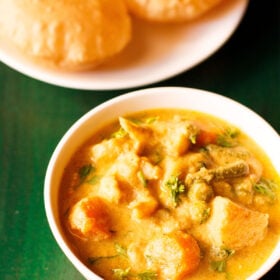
<point x="137" y="200"/>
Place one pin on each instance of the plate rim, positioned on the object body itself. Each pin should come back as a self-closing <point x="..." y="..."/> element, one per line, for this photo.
<point x="44" y="74"/>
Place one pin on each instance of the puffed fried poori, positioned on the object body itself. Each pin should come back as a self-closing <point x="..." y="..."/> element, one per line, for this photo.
<point x="170" y="10"/>
<point x="70" y="34"/>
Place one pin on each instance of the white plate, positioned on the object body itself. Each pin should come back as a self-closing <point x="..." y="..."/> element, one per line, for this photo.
<point x="156" y="52"/>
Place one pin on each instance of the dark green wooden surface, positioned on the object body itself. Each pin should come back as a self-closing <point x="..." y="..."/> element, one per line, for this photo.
<point x="35" y="115"/>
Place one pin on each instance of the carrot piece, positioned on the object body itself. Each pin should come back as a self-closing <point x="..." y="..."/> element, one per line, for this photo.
<point x="206" y="137"/>
<point x="174" y="256"/>
<point x="90" y="218"/>
<point x="191" y="254"/>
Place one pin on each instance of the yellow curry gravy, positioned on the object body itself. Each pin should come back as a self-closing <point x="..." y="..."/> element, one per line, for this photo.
<point x="171" y="194"/>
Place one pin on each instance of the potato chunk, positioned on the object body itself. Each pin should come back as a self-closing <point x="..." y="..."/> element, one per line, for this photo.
<point x="175" y="138"/>
<point x="144" y="205"/>
<point x="109" y="189"/>
<point x="89" y="218"/>
<point x="138" y="133"/>
<point x="175" y="255"/>
<point x="233" y="226"/>
<point x="108" y="150"/>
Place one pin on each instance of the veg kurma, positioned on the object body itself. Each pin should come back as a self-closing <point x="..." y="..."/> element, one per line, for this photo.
<point x="171" y="195"/>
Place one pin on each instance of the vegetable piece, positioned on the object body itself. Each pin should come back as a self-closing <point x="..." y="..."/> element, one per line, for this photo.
<point x="200" y="191"/>
<point x="89" y="218"/>
<point x="219" y="258"/>
<point x="178" y="138"/>
<point x="140" y="134"/>
<point x="151" y="119"/>
<point x="199" y="212"/>
<point x="219" y="266"/>
<point x="144" y="206"/>
<point x="142" y="178"/>
<point x="93" y="180"/>
<point x="176" y="187"/>
<point x="232" y="170"/>
<point x="233" y="226"/>
<point x="120" y="252"/>
<point x="87" y="175"/>
<point x="109" y="189"/>
<point x="266" y="188"/>
<point x="85" y="170"/>
<point x="120" y="133"/>
<point x="83" y="175"/>
<point x="238" y="168"/>
<point x="205" y="138"/>
<point x="121" y="274"/>
<point x="227" y="138"/>
<point x="174" y="256"/>
<point x="147" y="275"/>
<point x="148" y="170"/>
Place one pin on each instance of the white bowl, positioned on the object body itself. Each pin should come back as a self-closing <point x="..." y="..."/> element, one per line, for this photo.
<point x="166" y="97"/>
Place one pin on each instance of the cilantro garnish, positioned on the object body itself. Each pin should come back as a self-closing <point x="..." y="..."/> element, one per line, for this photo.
<point x="220" y="259"/>
<point x="267" y="188"/>
<point x="148" y="275"/>
<point x="142" y="178"/>
<point x="176" y="188"/>
<point x="226" y="139"/>
<point x="119" y="133"/>
<point x="120" y="251"/>
<point x="121" y="274"/>
<point x="85" y="170"/>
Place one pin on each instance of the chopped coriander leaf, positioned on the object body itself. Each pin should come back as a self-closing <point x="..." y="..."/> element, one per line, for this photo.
<point x="199" y="211"/>
<point x="205" y="215"/>
<point x="136" y="121"/>
<point x="119" y="133"/>
<point x="85" y="170"/>
<point x="93" y="180"/>
<point x="226" y="139"/>
<point x="193" y="132"/>
<point x="226" y="253"/>
<point x="192" y="138"/>
<point x="224" y="142"/>
<point x="147" y="275"/>
<point x="121" y="274"/>
<point x="142" y="178"/>
<point x="232" y="132"/>
<point x="220" y="258"/>
<point x="176" y="188"/>
<point x="151" y="120"/>
<point x="267" y="188"/>
<point x="222" y="253"/>
<point x="219" y="266"/>
<point x="121" y="251"/>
